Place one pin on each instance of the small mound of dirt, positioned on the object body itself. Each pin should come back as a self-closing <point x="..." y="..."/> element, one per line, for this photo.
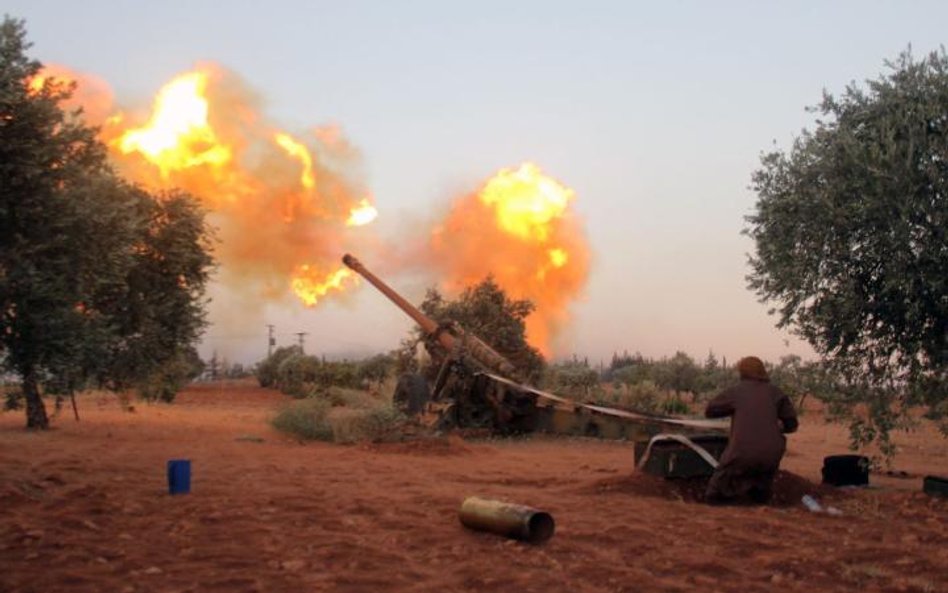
<point x="789" y="488"/>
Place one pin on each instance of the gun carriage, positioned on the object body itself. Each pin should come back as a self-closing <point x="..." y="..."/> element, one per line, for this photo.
<point x="477" y="387"/>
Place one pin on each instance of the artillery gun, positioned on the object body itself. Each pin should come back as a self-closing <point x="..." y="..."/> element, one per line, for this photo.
<point x="476" y="387"/>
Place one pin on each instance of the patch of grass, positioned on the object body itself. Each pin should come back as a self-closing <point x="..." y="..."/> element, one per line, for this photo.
<point x="306" y="419"/>
<point x="379" y="423"/>
<point x="364" y="419"/>
<point x="349" y="398"/>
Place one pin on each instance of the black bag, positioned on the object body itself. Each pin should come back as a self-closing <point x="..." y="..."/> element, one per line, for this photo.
<point x="846" y="470"/>
<point x="936" y="486"/>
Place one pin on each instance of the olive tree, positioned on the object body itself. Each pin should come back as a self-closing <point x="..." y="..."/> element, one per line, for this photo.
<point x="485" y="311"/>
<point x="851" y="237"/>
<point x="45" y="156"/>
<point x="100" y="281"/>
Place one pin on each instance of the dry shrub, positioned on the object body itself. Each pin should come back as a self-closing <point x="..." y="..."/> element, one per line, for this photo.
<point x="343" y="397"/>
<point x="306" y="419"/>
<point x="376" y="424"/>
<point x="385" y="390"/>
<point x="357" y="417"/>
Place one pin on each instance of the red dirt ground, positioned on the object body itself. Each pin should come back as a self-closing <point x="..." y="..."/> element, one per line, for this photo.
<point x="84" y="507"/>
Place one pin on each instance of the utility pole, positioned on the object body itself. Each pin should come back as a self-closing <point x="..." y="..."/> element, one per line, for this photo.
<point x="301" y="335"/>
<point x="270" y="342"/>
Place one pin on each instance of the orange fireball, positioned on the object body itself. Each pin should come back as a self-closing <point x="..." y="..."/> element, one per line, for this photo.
<point x="178" y="135"/>
<point x="283" y="204"/>
<point x="311" y="286"/>
<point x="519" y="228"/>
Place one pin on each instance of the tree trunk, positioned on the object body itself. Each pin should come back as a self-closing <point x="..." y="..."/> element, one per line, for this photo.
<point x="36" y="418"/>
<point x="75" y="408"/>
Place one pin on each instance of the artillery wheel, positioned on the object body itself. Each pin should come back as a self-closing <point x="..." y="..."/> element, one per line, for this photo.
<point x="411" y="393"/>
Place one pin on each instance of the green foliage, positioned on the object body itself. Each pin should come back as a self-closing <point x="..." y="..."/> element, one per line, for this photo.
<point x="376" y="369"/>
<point x="851" y="229"/>
<point x="165" y="381"/>
<point x="625" y="360"/>
<point x="573" y="379"/>
<point x="678" y="373"/>
<point x="675" y="406"/>
<point x="315" y="418"/>
<point x="297" y="374"/>
<point x="642" y="396"/>
<point x="100" y="282"/>
<point x="306" y="419"/>
<point x="345" y="397"/>
<point x="45" y="156"/>
<point x="485" y="311"/>
<point x="338" y="374"/>
<point x="162" y="315"/>
<point x="379" y="423"/>
<point x="800" y="379"/>
<point x="267" y="369"/>
<point x="714" y="377"/>
<point x="218" y="367"/>
<point x="632" y="374"/>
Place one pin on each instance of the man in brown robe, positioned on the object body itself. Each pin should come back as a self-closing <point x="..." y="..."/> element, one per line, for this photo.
<point x="760" y="414"/>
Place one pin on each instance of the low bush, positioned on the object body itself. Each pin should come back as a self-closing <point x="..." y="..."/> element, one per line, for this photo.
<point x="572" y="379"/>
<point x="306" y="419"/>
<point x="358" y="419"/>
<point x="267" y="369"/>
<point x="338" y="374"/>
<point x="343" y="397"/>
<point x="644" y="396"/>
<point x="380" y="423"/>
<point x="675" y="406"/>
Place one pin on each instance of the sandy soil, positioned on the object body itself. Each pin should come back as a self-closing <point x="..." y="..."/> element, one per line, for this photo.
<point x="85" y="507"/>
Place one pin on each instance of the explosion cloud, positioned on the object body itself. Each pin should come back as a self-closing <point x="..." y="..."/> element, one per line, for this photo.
<point x="282" y="213"/>
<point x="519" y="228"/>
<point x="287" y="205"/>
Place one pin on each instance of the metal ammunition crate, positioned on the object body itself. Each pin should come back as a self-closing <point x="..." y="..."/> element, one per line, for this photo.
<point x="671" y="459"/>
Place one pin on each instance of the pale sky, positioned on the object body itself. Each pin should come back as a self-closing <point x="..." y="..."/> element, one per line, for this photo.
<point x="655" y="113"/>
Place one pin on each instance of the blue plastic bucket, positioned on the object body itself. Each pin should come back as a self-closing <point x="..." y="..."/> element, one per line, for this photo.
<point x="179" y="476"/>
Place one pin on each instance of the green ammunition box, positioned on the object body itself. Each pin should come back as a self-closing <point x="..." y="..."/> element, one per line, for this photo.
<point x="672" y="459"/>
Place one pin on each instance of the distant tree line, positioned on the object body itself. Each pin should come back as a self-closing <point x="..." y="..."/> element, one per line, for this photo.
<point x="218" y="367"/>
<point x="101" y="282"/>
<point x="670" y="384"/>
<point x="300" y="375"/>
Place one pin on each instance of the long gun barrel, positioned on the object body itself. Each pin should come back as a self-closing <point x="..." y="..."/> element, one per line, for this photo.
<point x="480" y="351"/>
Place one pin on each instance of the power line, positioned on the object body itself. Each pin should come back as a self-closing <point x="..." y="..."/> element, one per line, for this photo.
<point x="271" y="342"/>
